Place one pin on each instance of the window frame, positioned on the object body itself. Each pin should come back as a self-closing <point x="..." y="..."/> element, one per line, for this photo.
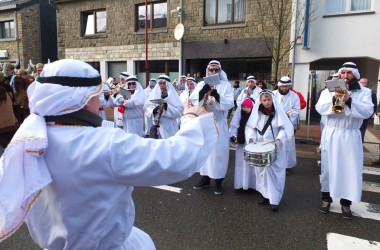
<point x="347" y="9"/>
<point x="86" y="13"/>
<point x="151" y="21"/>
<point x="2" y="23"/>
<point x="216" y="15"/>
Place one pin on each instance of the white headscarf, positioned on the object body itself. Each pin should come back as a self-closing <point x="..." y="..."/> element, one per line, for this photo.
<point x="193" y="96"/>
<point x="139" y="96"/>
<point x="152" y="82"/>
<point x="285" y="81"/>
<point x="222" y="74"/>
<point x="172" y="99"/>
<point x="124" y="75"/>
<point x="280" y="119"/>
<point x="65" y="86"/>
<point x="251" y="78"/>
<point x="350" y="66"/>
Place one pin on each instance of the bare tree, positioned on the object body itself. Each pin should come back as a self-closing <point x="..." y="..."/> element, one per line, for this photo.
<point x="276" y="19"/>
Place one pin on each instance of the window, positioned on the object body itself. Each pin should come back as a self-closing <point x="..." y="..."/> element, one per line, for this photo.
<point x="7" y="29"/>
<point x="157" y="68"/>
<point x="224" y="11"/>
<point x="94" y="22"/>
<point x="95" y="65"/>
<point x="115" y="68"/>
<point x="157" y="10"/>
<point x="344" y="6"/>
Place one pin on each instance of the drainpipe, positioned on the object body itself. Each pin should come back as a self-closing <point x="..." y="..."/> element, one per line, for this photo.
<point x="295" y="40"/>
<point x="146" y="45"/>
<point x="17" y="40"/>
<point x="180" y="42"/>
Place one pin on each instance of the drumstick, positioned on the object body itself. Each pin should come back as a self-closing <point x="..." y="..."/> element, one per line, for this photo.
<point x="268" y="143"/>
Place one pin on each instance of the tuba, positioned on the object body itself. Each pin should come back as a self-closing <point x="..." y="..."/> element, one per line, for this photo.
<point x="338" y="106"/>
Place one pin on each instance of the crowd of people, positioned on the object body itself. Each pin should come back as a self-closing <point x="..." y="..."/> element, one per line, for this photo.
<point x="64" y="150"/>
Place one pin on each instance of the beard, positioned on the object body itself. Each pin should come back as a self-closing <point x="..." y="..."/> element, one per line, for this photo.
<point x="283" y="92"/>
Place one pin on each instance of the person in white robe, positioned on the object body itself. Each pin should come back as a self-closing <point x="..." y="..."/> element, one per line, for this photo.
<point x="118" y="110"/>
<point x="133" y="116"/>
<point x="73" y="180"/>
<point x="165" y="115"/>
<point x="290" y="103"/>
<point x="218" y="99"/>
<point x="147" y="119"/>
<point x="270" y="180"/>
<point x="341" y="170"/>
<point x="104" y="97"/>
<point x="250" y="91"/>
<point x="244" y="177"/>
<point x="189" y="95"/>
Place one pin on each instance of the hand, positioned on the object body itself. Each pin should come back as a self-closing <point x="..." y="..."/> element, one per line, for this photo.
<point x="378" y="113"/>
<point x="233" y="139"/>
<point x="206" y="88"/>
<point x="346" y="97"/>
<point x="197" y="110"/>
<point x="215" y="94"/>
<point x="277" y="142"/>
<point x="251" y="140"/>
<point x="157" y="110"/>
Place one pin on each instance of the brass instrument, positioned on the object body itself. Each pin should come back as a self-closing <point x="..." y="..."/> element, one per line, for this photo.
<point x="338" y="106"/>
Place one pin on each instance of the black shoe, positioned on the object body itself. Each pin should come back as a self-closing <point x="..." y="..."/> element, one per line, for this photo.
<point x="325" y="207"/>
<point x="263" y="201"/>
<point x="346" y="213"/>
<point x="274" y="208"/>
<point x="218" y="189"/>
<point x="202" y="184"/>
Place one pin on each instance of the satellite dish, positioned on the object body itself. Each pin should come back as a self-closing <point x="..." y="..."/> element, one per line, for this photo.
<point x="179" y="31"/>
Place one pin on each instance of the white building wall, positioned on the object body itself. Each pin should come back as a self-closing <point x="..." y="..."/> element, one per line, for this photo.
<point x="347" y="36"/>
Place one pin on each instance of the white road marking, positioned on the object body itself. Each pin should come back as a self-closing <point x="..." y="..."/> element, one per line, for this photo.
<point x="371" y="170"/>
<point x="340" y="241"/>
<point x="169" y="188"/>
<point x="362" y="209"/>
<point x="371" y="186"/>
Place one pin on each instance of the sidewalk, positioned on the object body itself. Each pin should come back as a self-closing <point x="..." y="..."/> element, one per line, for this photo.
<point x="308" y="138"/>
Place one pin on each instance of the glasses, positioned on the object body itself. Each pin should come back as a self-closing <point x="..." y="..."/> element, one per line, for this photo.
<point x="214" y="70"/>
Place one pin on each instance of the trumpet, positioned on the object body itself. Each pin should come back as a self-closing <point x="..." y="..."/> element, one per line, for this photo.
<point x="338" y="107"/>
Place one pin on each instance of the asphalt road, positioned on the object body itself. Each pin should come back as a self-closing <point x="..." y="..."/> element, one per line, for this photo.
<point x="198" y="219"/>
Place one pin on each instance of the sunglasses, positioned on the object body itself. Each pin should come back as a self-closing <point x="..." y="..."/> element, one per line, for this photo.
<point x="214" y="70"/>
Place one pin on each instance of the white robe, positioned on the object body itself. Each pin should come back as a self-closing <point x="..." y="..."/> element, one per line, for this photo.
<point x="103" y="102"/>
<point x="244" y="176"/>
<point x="255" y="95"/>
<point x="217" y="163"/>
<point x="133" y="117"/>
<point x="89" y="203"/>
<point x="169" y="118"/>
<point x="290" y="103"/>
<point x="270" y="180"/>
<point x="147" y="119"/>
<point x="341" y="145"/>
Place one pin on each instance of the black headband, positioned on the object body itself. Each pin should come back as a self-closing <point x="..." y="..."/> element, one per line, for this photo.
<point x="288" y="81"/>
<point x="71" y="81"/>
<point x="163" y="78"/>
<point x="349" y="66"/>
<point x="266" y="91"/>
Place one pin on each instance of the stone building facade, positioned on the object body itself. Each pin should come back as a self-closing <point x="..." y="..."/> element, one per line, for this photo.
<point x="25" y="34"/>
<point x="239" y="45"/>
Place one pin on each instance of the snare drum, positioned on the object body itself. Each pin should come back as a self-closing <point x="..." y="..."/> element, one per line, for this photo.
<point x="260" y="154"/>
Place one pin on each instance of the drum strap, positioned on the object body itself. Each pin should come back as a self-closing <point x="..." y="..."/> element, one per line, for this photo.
<point x="269" y="121"/>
